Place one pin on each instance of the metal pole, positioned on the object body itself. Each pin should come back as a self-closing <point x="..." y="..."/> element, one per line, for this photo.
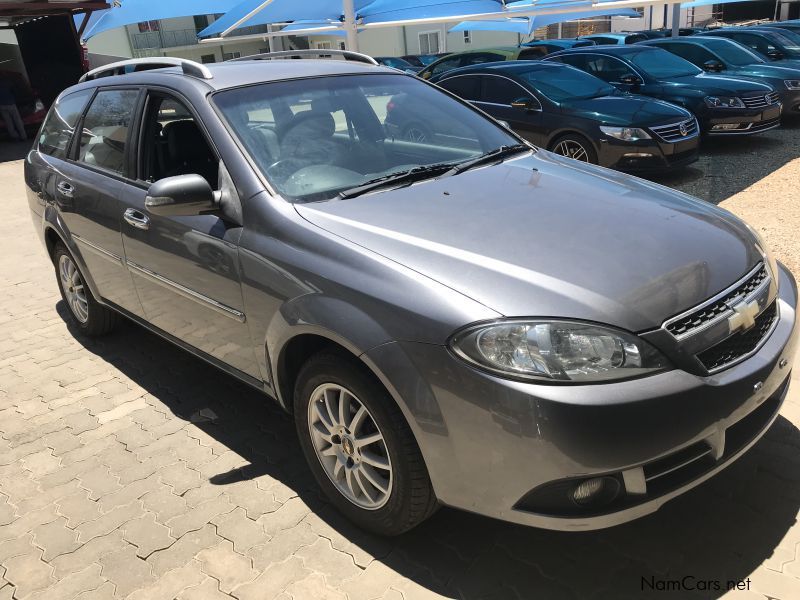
<point x="676" y="20"/>
<point x="349" y="12"/>
<point x="777" y="8"/>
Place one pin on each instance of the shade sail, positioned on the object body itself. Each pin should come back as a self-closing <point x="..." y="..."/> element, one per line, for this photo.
<point x="369" y="11"/>
<point x="136" y="11"/>
<point x="526" y="26"/>
<point x="710" y="2"/>
<point x="308" y="27"/>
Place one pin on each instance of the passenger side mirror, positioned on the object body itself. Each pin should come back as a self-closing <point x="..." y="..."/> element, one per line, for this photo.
<point x="631" y="79"/>
<point x="524" y="103"/>
<point x="180" y="196"/>
<point x="775" y="55"/>
<point x="713" y="66"/>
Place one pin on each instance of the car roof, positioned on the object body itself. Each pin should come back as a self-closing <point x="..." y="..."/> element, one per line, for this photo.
<point x="615" y="50"/>
<point x="509" y="66"/>
<point x="565" y="42"/>
<point x="248" y="72"/>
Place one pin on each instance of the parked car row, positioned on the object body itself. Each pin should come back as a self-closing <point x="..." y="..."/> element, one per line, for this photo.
<point x="633" y="102"/>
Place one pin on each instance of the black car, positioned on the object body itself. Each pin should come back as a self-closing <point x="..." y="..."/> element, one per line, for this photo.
<point x="545" y="47"/>
<point x="423" y="60"/>
<point x="768" y="43"/>
<point x="722" y="55"/>
<point x="571" y="113"/>
<point x="722" y="105"/>
<point x="397" y="63"/>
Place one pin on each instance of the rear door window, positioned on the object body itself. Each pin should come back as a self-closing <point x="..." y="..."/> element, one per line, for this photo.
<point x="60" y="123"/>
<point x="499" y="90"/>
<point x="467" y="87"/>
<point x="104" y="135"/>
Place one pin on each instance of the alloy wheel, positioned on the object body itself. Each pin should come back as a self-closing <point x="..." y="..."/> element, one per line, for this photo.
<point x="571" y="149"/>
<point x="350" y="446"/>
<point x="74" y="288"/>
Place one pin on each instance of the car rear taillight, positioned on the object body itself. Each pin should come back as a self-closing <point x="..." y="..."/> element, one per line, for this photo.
<point x="390" y="106"/>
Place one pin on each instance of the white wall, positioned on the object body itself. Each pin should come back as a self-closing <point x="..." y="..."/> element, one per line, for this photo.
<point x="110" y="43"/>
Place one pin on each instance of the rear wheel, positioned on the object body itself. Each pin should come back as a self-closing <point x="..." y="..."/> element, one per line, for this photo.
<point x="576" y="147"/>
<point x="359" y="447"/>
<point x="87" y="314"/>
<point x="416" y="132"/>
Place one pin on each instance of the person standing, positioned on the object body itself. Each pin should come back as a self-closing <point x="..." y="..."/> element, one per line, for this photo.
<point x="10" y="112"/>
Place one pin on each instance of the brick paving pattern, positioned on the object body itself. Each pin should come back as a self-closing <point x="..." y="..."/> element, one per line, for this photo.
<point x="129" y="469"/>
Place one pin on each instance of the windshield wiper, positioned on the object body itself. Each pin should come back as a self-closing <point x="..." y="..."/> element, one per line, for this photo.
<point x="401" y="179"/>
<point x="496" y="155"/>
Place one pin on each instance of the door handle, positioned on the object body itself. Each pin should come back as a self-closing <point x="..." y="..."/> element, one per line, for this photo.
<point x="65" y="188"/>
<point x="137" y="219"/>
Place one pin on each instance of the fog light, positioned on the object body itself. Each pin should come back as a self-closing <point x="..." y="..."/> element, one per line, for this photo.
<point x="726" y="126"/>
<point x="596" y="492"/>
<point x="588" y="490"/>
<point x="637" y="155"/>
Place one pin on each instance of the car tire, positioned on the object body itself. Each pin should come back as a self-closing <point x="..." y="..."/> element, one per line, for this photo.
<point x="332" y="389"/>
<point x="87" y="315"/>
<point x="416" y="132"/>
<point x="576" y="147"/>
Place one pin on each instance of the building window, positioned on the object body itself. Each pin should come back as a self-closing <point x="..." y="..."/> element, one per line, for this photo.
<point x="231" y="55"/>
<point x="208" y="59"/>
<point x="200" y="22"/>
<point x="467" y="37"/>
<point x="429" y="42"/>
<point x="146" y="26"/>
<point x="323" y="45"/>
<point x="342" y="46"/>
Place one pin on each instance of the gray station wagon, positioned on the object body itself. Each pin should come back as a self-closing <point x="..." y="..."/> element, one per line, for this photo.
<point x="467" y="321"/>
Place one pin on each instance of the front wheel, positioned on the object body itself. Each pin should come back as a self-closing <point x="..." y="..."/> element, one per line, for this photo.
<point x="576" y="147"/>
<point x="359" y="447"/>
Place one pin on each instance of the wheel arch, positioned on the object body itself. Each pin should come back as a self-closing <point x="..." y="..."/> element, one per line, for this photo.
<point x="555" y="136"/>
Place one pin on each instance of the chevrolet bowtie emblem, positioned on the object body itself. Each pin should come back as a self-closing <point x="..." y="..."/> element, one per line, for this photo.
<point x="743" y="317"/>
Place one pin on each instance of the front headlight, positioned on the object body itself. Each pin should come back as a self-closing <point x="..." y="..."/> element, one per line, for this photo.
<point x="792" y="84"/>
<point x="559" y="351"/>
<point x="724" y="102"/>
<point x="626" y="134"/>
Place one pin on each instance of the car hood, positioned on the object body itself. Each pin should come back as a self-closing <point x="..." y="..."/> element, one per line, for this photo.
<point x="626" y="110"/>
<point x="543" y="235"/>
<point x="717" y="84"/>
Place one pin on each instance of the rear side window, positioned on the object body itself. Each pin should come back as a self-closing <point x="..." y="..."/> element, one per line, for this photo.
<point x="534" y="53"/>
<point x="60" y="123"/>
<point x="105" y="129"/>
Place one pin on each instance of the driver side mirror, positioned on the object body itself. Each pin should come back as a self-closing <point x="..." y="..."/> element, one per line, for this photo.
<point x="713" y="66"/>
<point x="775" y="55"/>
<point x="631" y="79"/>
<point x="525" y="103"/>
<point x="180" y="196"/>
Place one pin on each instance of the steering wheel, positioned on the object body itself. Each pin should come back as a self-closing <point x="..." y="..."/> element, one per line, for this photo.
<point x="284" y="168"/>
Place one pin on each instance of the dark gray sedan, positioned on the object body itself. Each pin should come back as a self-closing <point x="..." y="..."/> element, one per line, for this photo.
<point x="466" y="320"/>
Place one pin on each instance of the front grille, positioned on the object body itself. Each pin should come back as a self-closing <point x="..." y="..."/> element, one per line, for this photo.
<point x="672" y="132"/>
<point x="740" y="344"/>
<point x="761" y="101"/>
<point x="706" y="314"/>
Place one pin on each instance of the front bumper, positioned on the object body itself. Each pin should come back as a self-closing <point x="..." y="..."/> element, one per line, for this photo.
<point x="750" y="120"/>
<point x="488" y="442"/>
<point x="646" y="156"/>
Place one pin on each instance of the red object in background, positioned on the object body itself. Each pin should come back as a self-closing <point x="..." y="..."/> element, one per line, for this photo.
<point x="85" y="58"/>
<point x="31" y="108"/>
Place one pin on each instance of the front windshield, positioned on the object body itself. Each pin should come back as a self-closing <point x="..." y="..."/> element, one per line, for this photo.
<point x="733" y="53"/>
<point x="567" y="83"/>
<point x="661" y="64"/>
<point x="313" y="138"/>
<point x="790" y="42"/>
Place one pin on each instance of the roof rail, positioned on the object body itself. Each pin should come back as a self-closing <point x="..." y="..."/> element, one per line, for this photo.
<point x="318" y="53"/>
<point x="189" y="67"/>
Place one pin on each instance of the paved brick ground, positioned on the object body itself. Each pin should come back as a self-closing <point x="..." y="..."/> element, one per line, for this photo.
<point x="130" y="470"/>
